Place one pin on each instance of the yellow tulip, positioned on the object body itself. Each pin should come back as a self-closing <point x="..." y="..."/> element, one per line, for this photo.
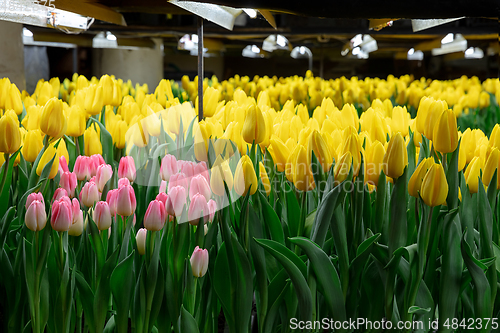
<point x="423" y="112"/>
<point x="245" y="178"/>
<point x="10" y="137"/>
<point x="220" y="173"/>
<point x="342" y="167"/>
<point x="435" y="111"/>
<point x="94" y="99"/>
<point x="321" y="151"/>
<point x="434" y="188"/>
<point x="400" y="120"/>
<point x="491" y="165"/>
<point x="374" y="156"/>
<point x="396" y="157"/>
<point x="264" y="179"/>
<point x="76" y="121"/>
<point x="92" y="142"/>
<point x="48" y="154"/>
<point x="280" y="153"/>
<point x="302" y="175"/>
<point x="45" y="93"/>
<point x="254" y="127"/>
<point x="32" y="145"/>
<point x="472" y="174"/>
<point x="351" y="144"/>
<point x="53" y="119"/>
<point x="416" y="179"/>
<point x="118" y="134"/>
<point x="445" y="136"/>
<point x="106" y="82"/>
<point x="13" y="100"/>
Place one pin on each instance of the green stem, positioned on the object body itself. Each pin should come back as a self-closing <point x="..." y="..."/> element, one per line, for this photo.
<point x="302" y="220"/>
<point x="5" y="170"/>
<point x="36" y="326"/>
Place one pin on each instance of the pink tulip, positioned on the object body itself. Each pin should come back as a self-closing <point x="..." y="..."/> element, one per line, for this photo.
<point x="168" y="167"/>
<point x="32" y="197"/>
<point x="212" y="208"/>
<point x="89" y="194"/>
<point x="188" y="168"/>
<point x="199" y="185"/>
<point x="162" y="196"/>
<point x="35" y="217"/>
<point x="68" y="182"/>
<point x="63" y="165"/>
<point x="125" y="201"/>
<point x="103" y="175"/>
<point x="98" y="160"/>
<point x="179" y="179"/>
<point x="126" y="169"/>
<point x="163" y="186"/>
<point x="123" y="182"/>
<point x="155" y="216"/>
<point x="82" y="168"/>
<point x="199" y="262"/>
<point x="111" y="200"/>
<point x="197" y="209"/>
<point x="202" y="169"/>
<point x="140" y="240"/>
<point x="76" y="228"/>
<point x="62" y="215"/>
<point x="176" y="201"/>
<point x="59" y="193"/>
<point x="102" y="215"/>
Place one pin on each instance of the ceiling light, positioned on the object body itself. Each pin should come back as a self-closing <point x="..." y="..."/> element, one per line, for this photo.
<point x="252" y="51"/>
<point x="474" y="53"/>
<point x="275" y="42"/>
<point x="250" y="12"/>
<point x="415" y="55"/>
<point x="302" y="52"/>
<point x="110" y="36"/>
<point x="27" y="33"/>
<point x="447" y="39"/>
<point x="451" y="44"/>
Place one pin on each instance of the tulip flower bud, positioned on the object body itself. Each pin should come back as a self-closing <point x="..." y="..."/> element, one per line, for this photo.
<point x="97" y="160"/>
<point x="254" y="127"/>
<point x="435" y="111"/>
<point x="445" y="135"/>
<point x="342" y="167"/>
<point x="32" y="197"/>
<point x="13" y="100"/>
<point x="321" y="151"/>
<point x="76" y="228"/>
<point x="62" y="215"/>
<point x="82" y="168"/>
<point x="212" y="208"/>
<point x="221" y="173"/>
<point x="423" y="112"/>
<point x="264" y="178"/>
<point x="49" y="154"/>
<point x="123" y="182"/>
<point x="155" y="216"/>
<point x="163" y="187"/>
<point x="187" y="168"/>
<point x="244" y="177"/>
<point x="102" y="215"/>
<point x="178" y="179"/>
<point x="198" y="208"/>
<point x="374" y="156"/>
<point x="35" y="217"/>
<point x="104" y="173"/>
<point x="10" y="139"/>
<point x="32" y="145"/>
<point x="126" y="169"/>
<point x="416" y="179"/>
<point x="302" y="176"/>
<point x="199" y="185"/>
<point x="201" y="169"/>
<point x="92" y="142"/>
<point x="491" y="165"/>
<point x="199" y="262"/>
<point x="396" y="157"/>
<point x="168" y="167"/>
<point x="162" y="196"/>
<point x="434" y="188"/>
<point x="279" y="152"/>
<point x="175" y="201"/>
<point x="59" y="193"/>
<point x="472" y="174"/>
<point x="140" y="240"/>
<point x="76" y="121"/>
<point x="89" y="194"/>
<point x="111" y="200"/>
<point x="68" y="182"/>
<point x="125" y="201"/>
<point x="53" y="120"/>
<point x="63" y="165"/>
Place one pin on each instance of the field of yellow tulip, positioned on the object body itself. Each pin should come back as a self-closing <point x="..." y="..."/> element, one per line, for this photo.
<point x="295" y="205"/>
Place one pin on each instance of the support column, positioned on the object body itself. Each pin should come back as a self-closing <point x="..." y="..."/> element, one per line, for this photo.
<point x="144" y="65"/>
<point x="12" y="54"/>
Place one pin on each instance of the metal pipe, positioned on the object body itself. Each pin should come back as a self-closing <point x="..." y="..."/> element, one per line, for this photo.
<point x="200" y="68"/>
